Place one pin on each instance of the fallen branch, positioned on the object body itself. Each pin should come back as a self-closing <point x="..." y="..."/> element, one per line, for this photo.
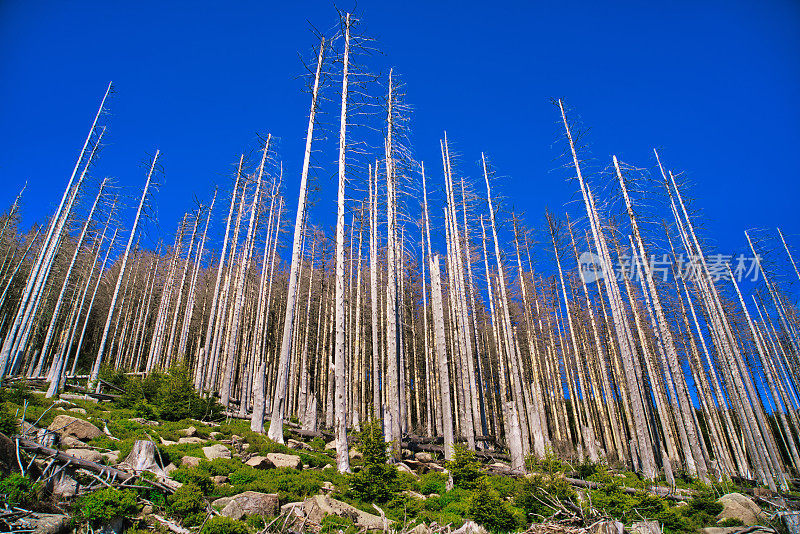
<point x="659" y="491"/>
<point x="111" y="472"/>
<point x="174" y="527"/>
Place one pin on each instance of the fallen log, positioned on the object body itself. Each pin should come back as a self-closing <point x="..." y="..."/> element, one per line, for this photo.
<point x="412" y="446"/>
<point x="110" y="385"/>
<point x="98" y="396"/>
<point x="659" y="491"/>
<point x="171" y="525"/>
<point x="312" y="433"/>
<point x="111" y="472"/>
<point x="95" y="467"/>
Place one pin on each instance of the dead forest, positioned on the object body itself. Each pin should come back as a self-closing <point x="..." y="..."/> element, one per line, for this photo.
<point x="611" y="331"/>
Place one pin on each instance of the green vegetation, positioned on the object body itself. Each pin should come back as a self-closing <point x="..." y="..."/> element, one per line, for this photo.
<point x="18" y="490"/>
<point x="488" y="509"/>
<point x="463" y="467"/>
<point x="188" y="504"/>
<point x="169" y="396"/>
<point x="333" y="524"/>
<point x="103" y="506"/>
<point x="377" y="481"/>
<point x="500" y="503"/>
<point x="224" y="525"/>
<point x="8" y="421"/>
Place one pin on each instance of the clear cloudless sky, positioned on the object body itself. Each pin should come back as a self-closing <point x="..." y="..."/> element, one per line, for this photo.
<point x="715" y="84"/>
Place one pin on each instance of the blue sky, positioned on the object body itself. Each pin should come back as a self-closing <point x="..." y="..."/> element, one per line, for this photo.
<point x="715" y="85"/>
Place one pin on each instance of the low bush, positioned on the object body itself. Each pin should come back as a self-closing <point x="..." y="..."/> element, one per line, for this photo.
<point x="196" y="477"/>
<point x="432" y="483"/>
<point x="187" y="504"/>
<point x="333" y="524"/>
<point x="539" y="496"/>
<point x="170" y="396"/>
<point x="18" y="490"/>
<point x="463" y="467"/>
<point x="100" y="507"/>
<point x="377" y="481"/>
<point x="488" y="509"/>
<point x="224" y="525"/>
<point x="8" y="421"/>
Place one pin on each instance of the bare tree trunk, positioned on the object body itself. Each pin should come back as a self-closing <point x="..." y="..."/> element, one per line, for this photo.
<point x="99" y="360"/>
<point x="340" y="405"/>
<point x="441" y="356"/>
<point x="275" y="432"/>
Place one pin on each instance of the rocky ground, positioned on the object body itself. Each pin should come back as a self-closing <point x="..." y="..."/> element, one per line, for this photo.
<point x="85" y="466"/>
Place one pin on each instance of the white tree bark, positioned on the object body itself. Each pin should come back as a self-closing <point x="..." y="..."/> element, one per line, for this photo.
<point x="275" y="432"/>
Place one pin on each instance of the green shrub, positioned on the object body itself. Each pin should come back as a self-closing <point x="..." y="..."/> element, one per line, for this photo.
<point x="113" y="376"/>
<point x="332" y="524"/>
<point x="702" y="511"/>
<point x="18" y="489"/>
<point x="488" y="509"/>
<point x="459" y="508"/>
<point x="8" y="421"/>
<point x="506" y="486"/>
<point x="177" y="397"/>
<point x="169" y="396"/>
<point x="588" y="468"/>
<point x="102" y="506"/>
<point x="187" y="503"/>
<point x="194" y="476"/>
<point x="673" y="521"/>
<point x="224" y="525"/>
<point x="146" y="410"/>
<point x="539" y="495"/>
<point x="442" y="518"/>
<point x="151" y="385"/>
<point x="19" y="392"/>
<point x="550" y="465"/>
<point x="243" y="476"/>
<point x="731" y="522"/>
<point x="377" y="481"/>
<point x="464" y="468"/>
<point x="432" y="483"/>
<point x="220" y="466"/>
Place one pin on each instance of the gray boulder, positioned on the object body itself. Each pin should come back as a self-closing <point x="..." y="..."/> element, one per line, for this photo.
<point x="213" y="452"/>
<point x="471" y="527"/>
<point x="49" y="523"/>
<point x="646" y="527"/>
<point x="70" y="442"/>
<point x="284" y="460"/>
<point x="259" y="462"/>
<point x="741" y="507"/>
<point x="190" y="461"/>
<point x="65" y="486"/>
<point x="320" y="506"/>
<point x="66" y="425"/>
<point x="248" y="503"/>
<point x="424" y="457"/>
